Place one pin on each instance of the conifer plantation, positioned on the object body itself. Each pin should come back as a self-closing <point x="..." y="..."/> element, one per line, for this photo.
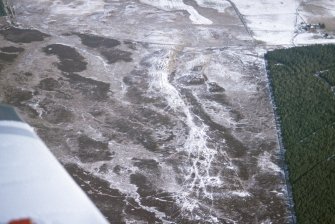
<point x="302" y="83"/>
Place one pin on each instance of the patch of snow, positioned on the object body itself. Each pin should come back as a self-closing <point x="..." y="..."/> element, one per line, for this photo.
<point x="162" y="37"/>
<point x="273" y="29"/>
<point x="269" y="7"/>
<point x="276" y="22"/>
<point x="266" y="165"/>
<point x="174" y="5"/>
<point x="327" y="5"/>
<point x="77" y="7"/>
<point x="311" y="38"/>
<point x="219" y="5"/>
<point x="274" y="37"/>
<point x="240" y="193"/>
<point x="272" y="22"/>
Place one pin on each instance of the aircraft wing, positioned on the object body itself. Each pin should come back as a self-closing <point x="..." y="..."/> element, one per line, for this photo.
<point x="33" y="184"/>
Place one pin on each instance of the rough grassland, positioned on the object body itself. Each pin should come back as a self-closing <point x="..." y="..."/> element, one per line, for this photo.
<point x="302" y="81"/>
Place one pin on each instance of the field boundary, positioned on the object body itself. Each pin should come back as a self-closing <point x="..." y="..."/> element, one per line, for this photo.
<point x="282" y="150"/>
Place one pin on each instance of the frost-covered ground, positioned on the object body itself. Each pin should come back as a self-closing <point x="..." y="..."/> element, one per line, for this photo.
<point x="159" y="109"/>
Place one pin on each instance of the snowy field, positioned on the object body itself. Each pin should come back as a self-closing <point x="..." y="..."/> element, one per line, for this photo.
<point x="159" y="109"/>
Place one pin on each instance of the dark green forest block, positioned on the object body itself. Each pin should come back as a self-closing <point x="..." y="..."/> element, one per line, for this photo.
<point x="302" y="81"/>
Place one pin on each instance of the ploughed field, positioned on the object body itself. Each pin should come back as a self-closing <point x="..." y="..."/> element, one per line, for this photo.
<point x="303" y="85"/>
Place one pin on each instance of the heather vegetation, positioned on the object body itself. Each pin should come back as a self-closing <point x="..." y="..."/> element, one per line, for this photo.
<point x="302" y="81"/>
